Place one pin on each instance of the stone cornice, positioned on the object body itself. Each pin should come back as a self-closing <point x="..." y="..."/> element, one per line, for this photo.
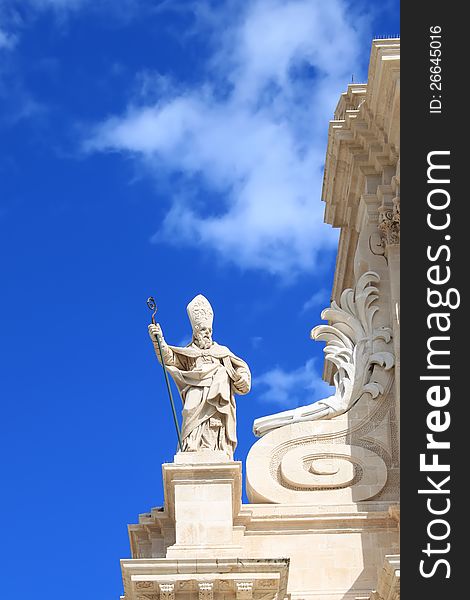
<point x="363" y="156"/>
<point x="243" y="579"/>
<point x="362" y="139"/>
<point x="254" y="519"/>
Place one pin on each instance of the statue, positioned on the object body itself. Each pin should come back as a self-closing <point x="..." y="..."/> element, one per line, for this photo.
<point x="208" y="376"/>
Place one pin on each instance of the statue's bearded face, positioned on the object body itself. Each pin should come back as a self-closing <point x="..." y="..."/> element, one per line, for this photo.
<point x="203" y="337"/>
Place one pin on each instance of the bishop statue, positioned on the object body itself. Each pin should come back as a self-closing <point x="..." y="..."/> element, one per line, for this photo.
<point x="208" y="376"/>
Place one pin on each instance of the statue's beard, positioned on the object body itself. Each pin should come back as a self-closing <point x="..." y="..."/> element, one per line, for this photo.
<point x="203" y="341"/>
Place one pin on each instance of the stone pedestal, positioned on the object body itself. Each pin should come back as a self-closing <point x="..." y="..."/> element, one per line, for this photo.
<point x="203" y="497"/>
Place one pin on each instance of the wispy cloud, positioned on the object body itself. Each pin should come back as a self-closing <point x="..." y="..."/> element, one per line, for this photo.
<point x="16" y="16"/>
<point x="319" y="300"/>
<point x="19" y="102"/>
<point x="74" y="5"/>
<point x="7" y="40"/>
<point x="256" y="341"/>
<point x="249" y="140"/>
<point x="289" y="389"/>
<point x="117" y="10"/>
<point x="58" y="4"/>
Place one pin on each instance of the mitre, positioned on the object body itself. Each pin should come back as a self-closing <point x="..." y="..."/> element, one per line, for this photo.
<point x="200" y="312"/>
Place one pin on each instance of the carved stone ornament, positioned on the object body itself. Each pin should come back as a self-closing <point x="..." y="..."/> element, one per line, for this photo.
<point x="244" y="590"/>
<point x="343" y="448"/>
<point x="389" y="223"/>
<point x="144" y="585"/>
<point x="206" y="590"/>
<point x="167" y="591"/>
<point x="351" y="345"/>
<point x="350" y="338"/>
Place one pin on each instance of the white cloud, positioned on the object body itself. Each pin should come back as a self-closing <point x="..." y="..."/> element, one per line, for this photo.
<point x="290" y="389"/>
<point x="252" y="135"/>
<point x="13" y="21"/>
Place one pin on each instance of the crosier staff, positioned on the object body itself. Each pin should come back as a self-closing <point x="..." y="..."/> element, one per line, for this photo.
<point x="153" y="307"/>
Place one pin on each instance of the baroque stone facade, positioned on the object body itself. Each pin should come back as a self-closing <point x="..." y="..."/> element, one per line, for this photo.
<point x="323" y="517"/>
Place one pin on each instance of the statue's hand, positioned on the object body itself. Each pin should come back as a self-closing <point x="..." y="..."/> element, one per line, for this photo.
<point x="241" y="383"/>
<point x="154" y="330"/>
<point x="236" y="376"/>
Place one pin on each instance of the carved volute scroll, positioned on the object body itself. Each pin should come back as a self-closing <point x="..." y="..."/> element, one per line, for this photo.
<point x="348" y="453"/>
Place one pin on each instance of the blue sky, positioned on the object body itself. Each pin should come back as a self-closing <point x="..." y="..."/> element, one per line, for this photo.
<point x="165" y="148"/>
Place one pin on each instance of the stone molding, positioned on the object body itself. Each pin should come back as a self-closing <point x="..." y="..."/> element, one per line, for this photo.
<point x="240" y="579"/>
<point x="273" y="519"/>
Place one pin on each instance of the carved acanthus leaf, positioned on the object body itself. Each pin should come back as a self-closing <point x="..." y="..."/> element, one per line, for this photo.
<point x="350" y="337"/>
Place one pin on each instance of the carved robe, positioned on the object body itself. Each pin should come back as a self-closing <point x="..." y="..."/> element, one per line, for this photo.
<point x="207" y="383"/>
